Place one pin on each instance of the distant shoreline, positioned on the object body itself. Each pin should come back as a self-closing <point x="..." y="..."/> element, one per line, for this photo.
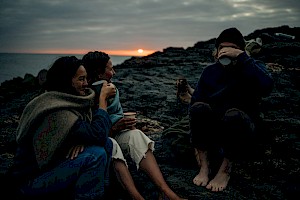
<point x="13" y="65"/>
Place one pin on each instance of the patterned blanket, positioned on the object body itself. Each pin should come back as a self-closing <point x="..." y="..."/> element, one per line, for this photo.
<point x="48" y="119"/>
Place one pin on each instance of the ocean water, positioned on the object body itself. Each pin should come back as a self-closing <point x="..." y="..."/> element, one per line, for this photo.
<point x="17" y="65"/>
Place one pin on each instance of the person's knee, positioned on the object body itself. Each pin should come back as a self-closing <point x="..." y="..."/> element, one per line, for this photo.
<point x="94" y="154"/>
<point x="237" y="115"/>
<point x="200" y="117"/>
<point x="131" y="137"/>
<point x="234" y="112"/>
<point x="199" y="106"/>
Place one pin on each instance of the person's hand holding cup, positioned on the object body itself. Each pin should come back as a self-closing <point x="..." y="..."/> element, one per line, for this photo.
<point x="130" y="119"/>
<point x="109" y="89"/>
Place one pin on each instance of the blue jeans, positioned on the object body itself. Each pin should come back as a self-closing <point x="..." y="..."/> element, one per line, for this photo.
<point x="86" y="176"/>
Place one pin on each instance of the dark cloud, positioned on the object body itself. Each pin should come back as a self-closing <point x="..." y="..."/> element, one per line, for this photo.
<point x="34" y="25"/>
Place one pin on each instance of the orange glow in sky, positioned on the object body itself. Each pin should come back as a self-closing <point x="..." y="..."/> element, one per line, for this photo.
<point x="136" y="52"/>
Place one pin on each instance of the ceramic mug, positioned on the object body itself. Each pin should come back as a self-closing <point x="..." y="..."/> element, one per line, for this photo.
<point x="130" y="115"/>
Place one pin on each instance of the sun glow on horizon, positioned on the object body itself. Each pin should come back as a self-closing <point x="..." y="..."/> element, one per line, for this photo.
<point x="139" y="52"/>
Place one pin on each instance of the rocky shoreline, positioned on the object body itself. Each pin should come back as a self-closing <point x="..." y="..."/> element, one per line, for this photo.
<point x="147" y="85"/>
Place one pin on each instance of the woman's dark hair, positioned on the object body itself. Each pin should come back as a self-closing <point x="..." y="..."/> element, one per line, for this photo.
<point x="95" y="64"/>
<point x="60" y="74"/>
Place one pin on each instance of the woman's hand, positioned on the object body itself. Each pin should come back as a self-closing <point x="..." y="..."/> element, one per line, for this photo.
<point x="124" y="123"/>
<point x="108" y="90"/>
<point x="74" y="151"/>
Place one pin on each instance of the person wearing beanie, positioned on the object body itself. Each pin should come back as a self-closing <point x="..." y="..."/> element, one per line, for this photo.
<point x="224" y="112"/>
<point x="232" y="35"/>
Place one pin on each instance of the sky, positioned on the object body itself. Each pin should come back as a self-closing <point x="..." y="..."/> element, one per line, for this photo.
<point x="121" y="27"/>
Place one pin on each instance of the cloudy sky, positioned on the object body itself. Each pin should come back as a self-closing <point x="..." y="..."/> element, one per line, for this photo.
<point x="77" y="26"/>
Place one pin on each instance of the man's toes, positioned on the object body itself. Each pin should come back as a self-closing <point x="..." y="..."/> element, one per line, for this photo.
<point x="209" y="186"/>
<point x="203" y="184"/>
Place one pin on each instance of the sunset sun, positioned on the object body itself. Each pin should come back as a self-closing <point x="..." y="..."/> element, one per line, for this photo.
<point x="140" y="51"/>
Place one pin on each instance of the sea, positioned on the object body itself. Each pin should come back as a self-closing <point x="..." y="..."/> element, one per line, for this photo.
<point x="14" y="65"/>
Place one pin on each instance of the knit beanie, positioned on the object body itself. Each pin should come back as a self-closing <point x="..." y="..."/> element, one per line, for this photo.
<point x="232" y="35"/>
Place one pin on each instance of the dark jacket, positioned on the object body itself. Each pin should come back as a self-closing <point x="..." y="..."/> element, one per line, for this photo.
<point x="241" y="86"/>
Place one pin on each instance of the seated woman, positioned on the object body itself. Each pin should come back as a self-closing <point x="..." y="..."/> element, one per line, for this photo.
<point x="51" y="127"/>
<point x="133" y="142"/>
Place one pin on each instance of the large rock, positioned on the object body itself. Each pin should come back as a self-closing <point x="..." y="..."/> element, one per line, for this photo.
<point x="147" y="85"/>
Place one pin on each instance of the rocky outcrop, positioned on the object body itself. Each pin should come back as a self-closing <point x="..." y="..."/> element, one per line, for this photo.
<point x="147" y="86"/>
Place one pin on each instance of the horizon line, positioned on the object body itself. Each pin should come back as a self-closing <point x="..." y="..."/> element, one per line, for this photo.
<point x="82" y="52"/>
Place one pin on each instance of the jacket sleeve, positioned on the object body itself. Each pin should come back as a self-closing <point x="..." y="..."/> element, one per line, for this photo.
<point x="95" y="132"/>
<point x="256" y="70"/>
<point x="201" y="92"/>
<point x="115" y="109"/>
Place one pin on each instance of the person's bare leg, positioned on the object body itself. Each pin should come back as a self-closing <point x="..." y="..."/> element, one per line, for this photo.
<point x="126" y="180"/>
<point x="202" y="178"/>
<point x="221" y="179"/>
<point x="150" y="166"/>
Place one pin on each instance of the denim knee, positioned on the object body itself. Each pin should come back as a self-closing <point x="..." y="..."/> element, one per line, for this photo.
<point x="94" y="153"/>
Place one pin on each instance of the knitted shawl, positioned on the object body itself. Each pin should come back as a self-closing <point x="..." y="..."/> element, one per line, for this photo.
<point x="48" y="119"/>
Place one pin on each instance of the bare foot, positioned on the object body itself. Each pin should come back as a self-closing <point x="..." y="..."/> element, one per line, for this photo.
<point x="202" y="178"/>
<point x="220" y="181"/>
